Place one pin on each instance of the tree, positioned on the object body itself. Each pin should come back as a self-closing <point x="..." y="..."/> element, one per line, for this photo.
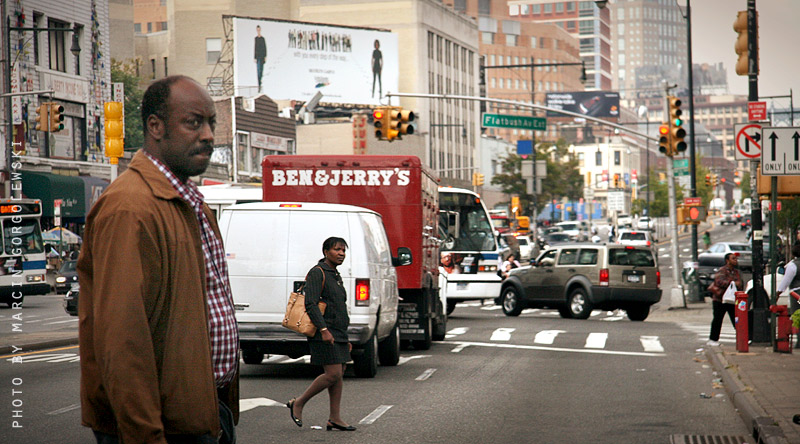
<point x="126" y="74"/>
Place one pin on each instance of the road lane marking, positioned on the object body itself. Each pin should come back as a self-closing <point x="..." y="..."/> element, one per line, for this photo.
<point x="502" y="334"/>
<point x="651" y="344"/>
<point x="461" y="345"/>
<point x="455" y="332"/>
<point x="61" y="322"/>
<point x="404" y="359"/>
<point x="251" y="403"/>
<point x="52" y="357"/>
<point x="66" y="409"/>
<point x="426" y="374"/>
<point x="491" y="307"/>
<point x="372" y="417"/>
<point x="547" y="336"/>
<point x="597" y="340"/>
<point x="458" y="349"/>
<point x="38" y="351"/>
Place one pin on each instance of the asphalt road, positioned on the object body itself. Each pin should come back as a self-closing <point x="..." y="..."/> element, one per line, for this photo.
<point x="536" y="378"/>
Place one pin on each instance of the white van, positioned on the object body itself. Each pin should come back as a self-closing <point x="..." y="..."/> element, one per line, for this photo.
<point x="270" y="246"/>
<point x="219" y="197"/>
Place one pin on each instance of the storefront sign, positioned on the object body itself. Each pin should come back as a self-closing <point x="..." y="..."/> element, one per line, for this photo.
<point x="66" y="87"/>
<point x="267" y="142"/>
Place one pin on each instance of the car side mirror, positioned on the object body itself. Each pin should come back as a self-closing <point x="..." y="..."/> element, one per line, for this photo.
<point x="533" y="262"/>
<point x="403" y="257"/>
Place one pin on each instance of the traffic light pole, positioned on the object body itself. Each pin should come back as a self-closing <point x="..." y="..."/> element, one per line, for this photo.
<point x="761" y="328"/>
<point x="692" y="160"/>
<point x="677" y="296"/>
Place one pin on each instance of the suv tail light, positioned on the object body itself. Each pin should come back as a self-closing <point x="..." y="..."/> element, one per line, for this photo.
<point x="362" y="292"/>
<point x="604" y="277"/>
<point x="658" y="278"/>
<point x="648" y="243"/>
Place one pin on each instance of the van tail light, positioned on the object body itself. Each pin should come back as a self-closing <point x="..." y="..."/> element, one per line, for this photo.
<point x="658" y="278"/>
<point x="604" y="277"/>
<point x="648" y="243"/>
<point x="362" y="292"/>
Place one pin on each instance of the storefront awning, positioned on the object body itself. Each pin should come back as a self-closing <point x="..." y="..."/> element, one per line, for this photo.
<point x="93" y="187"/>
<point x="48" y="187"/>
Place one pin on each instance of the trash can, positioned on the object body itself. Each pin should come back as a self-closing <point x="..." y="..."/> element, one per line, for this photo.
<point x="689" y="274"/>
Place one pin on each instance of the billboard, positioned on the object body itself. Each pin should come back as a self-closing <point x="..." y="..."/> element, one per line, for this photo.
<point x="294" y="60"/>
<point x="588" y="103"/>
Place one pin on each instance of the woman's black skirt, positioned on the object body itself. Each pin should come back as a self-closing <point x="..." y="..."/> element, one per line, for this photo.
<point x="323" y="353"/>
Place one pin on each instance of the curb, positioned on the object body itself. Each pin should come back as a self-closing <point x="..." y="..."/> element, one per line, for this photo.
<point x="762" y="427"/>
<point x="35" y="346"/>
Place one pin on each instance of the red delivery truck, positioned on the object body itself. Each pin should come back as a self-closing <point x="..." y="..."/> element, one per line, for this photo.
<point x="405" y="194"/>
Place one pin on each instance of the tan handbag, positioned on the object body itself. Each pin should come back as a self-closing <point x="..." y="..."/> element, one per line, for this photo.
<point x="296" y="318"/>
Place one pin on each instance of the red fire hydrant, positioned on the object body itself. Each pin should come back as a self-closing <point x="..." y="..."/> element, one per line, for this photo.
<point x="742" y="335"/>
<point x="783" y="342"/>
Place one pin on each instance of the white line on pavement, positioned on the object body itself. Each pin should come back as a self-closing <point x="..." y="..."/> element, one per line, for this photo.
<point x="61" y="322"/>
<point x="372" y="417"/>
<point x="66" y="409"/>
<point x="426" y="374"/>
<point x="404" y="359"/>
<point x="458" y="349"/>
<point x="596" y="340"/>
<point x="546" y="336"/>
<point x="559" y="349"/>
<point x="651" y="344"/>
<point x="502" y="334"/>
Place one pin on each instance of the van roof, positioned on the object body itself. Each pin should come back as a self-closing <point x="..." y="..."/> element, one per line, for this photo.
<point x="299" y="206"/>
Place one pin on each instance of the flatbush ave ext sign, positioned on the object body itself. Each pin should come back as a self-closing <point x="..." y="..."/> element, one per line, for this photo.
<point x="508" y="121"/>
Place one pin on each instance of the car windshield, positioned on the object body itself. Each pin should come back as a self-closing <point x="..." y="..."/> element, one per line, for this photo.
<point x="633" y="236"/>
<point x="567" y="227"/>
<point x="641" y="258"/>
<point x="522" y="241"/>
<point x="558" y="237"/>
<point x="739" y="248"/>
<point x="68" y="266"/>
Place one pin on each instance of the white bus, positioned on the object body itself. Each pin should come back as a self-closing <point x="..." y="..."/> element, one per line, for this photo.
<point x="219" y="197"/>
<point x="23" y="264"/>
<point x="468" y="238"/>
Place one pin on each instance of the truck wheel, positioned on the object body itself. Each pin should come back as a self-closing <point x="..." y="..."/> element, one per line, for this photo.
<point x="252" y="356"/>
<point x="389" y="348"/>
<point x="365" y="365"/>
<point x="638" y="312"/>
<point x="579" y="305"/>
<point x="512" y="305"/>
<point x="564" y="312"/>
<point x="425" y="344"/>
<point x="440" y="326"/>
<point x="451" y="305"/>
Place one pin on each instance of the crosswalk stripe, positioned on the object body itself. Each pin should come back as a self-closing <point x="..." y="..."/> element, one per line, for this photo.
<point x="546" y="336"/>
<point x="502" y="334"/>
<point x="651" y="344"/>
<point x="596" y="340"/>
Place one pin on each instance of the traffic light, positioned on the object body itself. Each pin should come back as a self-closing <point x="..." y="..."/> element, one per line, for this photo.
<point x="663" y="139"/>
<point x="676" y="132"/>
<point x="115" y="144"/>
<point x="399" y="123"/>
<point x="741" y="25"/>
<point x="42" y="119"/>
<point x="477" y="179"/>
<point x="380" y="118"/>
<point x="56" y="117"/>
<point x="616" y="180"/>
<point x="696" y="214"/>
<point x="708" y="180"/>
<point x="714" y="179"/>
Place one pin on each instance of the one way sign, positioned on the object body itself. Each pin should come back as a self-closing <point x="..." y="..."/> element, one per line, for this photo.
<point x="780" y="152"/>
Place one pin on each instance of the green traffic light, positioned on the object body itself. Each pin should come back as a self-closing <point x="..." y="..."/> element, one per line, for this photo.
<point x="678" y="122"/>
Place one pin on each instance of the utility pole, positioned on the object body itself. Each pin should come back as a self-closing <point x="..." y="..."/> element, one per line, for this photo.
<point x="677" y="296"/>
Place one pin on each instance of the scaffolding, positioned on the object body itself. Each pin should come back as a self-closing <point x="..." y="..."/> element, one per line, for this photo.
<point x="220" y="82"/>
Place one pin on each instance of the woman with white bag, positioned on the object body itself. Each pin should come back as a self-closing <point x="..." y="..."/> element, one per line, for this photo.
<point x="726" y="275"/>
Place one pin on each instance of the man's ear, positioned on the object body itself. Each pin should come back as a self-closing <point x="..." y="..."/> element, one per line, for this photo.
<point x="156" y="127"/>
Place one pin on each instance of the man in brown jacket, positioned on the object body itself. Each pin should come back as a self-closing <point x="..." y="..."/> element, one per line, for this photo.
<point x="158" y="337"/>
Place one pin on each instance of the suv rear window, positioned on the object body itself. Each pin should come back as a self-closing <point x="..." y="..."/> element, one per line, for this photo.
<point x="633" y="236"/>
<point x="641" y="258"/>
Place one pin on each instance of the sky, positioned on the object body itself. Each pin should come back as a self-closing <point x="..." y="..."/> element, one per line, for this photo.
<point x="779" y="43"/>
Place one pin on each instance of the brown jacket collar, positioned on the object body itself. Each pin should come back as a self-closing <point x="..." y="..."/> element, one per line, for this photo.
<point x="153" y="177"/>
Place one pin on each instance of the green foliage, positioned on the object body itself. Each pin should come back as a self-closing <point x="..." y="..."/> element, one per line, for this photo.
<point x="126" y="73"/>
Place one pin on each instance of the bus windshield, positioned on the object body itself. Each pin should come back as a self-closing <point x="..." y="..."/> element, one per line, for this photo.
<point x="24" y="237"/>
<point x="475" y="231"/>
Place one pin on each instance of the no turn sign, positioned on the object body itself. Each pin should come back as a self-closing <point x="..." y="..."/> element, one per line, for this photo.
<point x="747" y="141"/>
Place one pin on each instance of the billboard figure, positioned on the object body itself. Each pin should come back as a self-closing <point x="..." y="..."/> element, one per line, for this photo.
<point x="260" y="55"/>
<point x="377" y="66"/>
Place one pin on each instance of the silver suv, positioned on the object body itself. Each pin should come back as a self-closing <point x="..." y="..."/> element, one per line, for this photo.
<point x="577" y="278"/>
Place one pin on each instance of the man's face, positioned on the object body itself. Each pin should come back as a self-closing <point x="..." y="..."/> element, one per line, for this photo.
<point x="188" y="138"/>
<point x="258" y="30"/>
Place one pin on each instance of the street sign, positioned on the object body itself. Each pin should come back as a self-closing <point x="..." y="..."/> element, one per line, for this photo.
<point x="616" y="201"/>
<point x="588" y="193"/>
<point x="689" y="201"/>
<point x="781" y="153"/>
<point x="756" y="111"/>
<point x="509" y="121"/>
<point x="747" y="140"/>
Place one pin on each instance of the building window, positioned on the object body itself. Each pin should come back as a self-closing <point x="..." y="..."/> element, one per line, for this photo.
<point x="57" y="46"/>
<point x="533" y="42"/>
<point x="598" y="158"/>
<point x="152" y="68"/>
<point x="559" y="7"/>
<point x="617" y="158"/>
<point x="38" y="20"/>
<point x="163" y="26"/>
<point x="570" y="6"/>
<point x="511" y="40"/>
<point x="536" y="9"/>
<point x="548" y="8"/>
<point x="149" y="27"/>
<point x="137" y="28"/>
<point x="78" y="30"/>
<point x="213" y="50"/>
<point x="487" y="38"/>
<point x="166" y="71"/>
<point x="485" y="7"/>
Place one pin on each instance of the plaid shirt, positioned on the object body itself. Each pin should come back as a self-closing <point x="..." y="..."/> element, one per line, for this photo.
<point x="223" y="332"/>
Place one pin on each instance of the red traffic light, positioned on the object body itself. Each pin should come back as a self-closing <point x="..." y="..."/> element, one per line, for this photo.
<point x="722" y="179"/>
<point x="377" y="115"/>
<point x="694" y="213"/>
<point x="663" y="130"/>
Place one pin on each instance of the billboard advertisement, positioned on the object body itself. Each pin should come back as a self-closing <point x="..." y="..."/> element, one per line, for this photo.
<point x="294" y="60"/>
<point x="588" y="103"/>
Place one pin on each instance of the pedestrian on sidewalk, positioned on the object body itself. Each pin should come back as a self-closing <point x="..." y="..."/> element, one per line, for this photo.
<point x="159" y="345"/>
<point x="791" y="279"/>
<point x="707" y="239"/>
<point x="727" y="274"/>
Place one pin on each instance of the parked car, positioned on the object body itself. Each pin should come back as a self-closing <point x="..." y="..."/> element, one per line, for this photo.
<point x="66" y="276"/>
<point x="71" y="300"/>
<point x="728" y="217"/>
<point x="525" y="248"/>
<point x="573" y="229"/>
<point x="577" y="278"/>
<point x="645" y="223"/>
<point x="715" y="255"/>
<point x="634" y="237"/>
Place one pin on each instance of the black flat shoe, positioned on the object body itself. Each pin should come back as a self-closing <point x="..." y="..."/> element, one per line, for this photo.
<point x="297" y="421"/>
<point x="332" y="425"/>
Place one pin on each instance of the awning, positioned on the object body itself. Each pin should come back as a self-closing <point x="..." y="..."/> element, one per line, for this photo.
<point x="48" y="187"/>
<point x="94" y="187"/>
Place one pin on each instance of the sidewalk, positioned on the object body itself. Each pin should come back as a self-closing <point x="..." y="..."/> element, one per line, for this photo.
<point x="764" y="386"/>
